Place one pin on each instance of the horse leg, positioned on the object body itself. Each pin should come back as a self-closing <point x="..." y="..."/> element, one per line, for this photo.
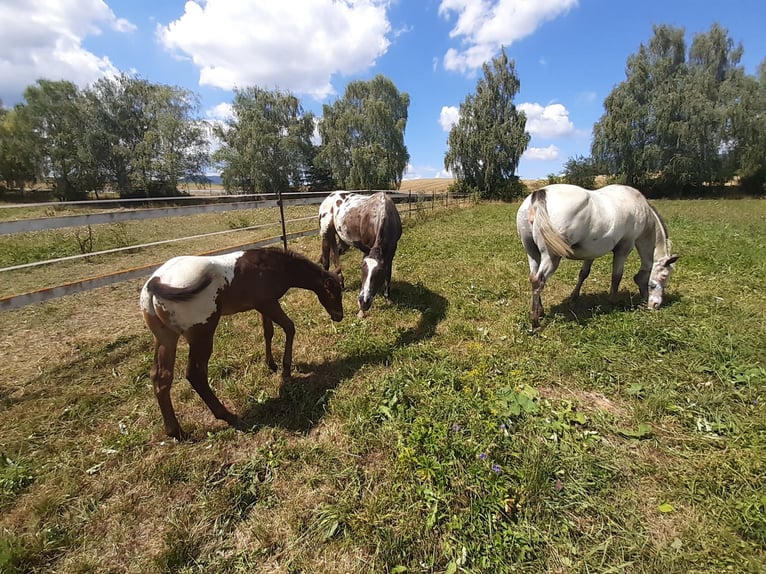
<point x="275" y="313"/>
<point x="328" y="247"/>
<point x="584" y="272"/>
<point x="161" y="373"/>
<point x="387" y="284"/>
<point x="620" y="255"/>
<point x="200" y="339"/>
<point x="646" y="253"/>
<point x="547" y="266"/>
<point x="268" y="336"/>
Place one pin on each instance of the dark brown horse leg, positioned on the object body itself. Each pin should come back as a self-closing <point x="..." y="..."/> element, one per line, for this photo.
<point x="200" y="339"/>
<point x="387" y="286"/>
<point x="268" y="336"/>
<point x="162" y="372"/>
<point x="275" y="313"/>
<point x="328" y="247"/>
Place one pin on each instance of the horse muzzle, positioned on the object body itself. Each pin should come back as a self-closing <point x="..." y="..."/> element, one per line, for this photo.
<point x="364" y="303"/>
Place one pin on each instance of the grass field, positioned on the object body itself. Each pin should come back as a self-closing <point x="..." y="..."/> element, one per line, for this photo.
<point x="435" y="435"/>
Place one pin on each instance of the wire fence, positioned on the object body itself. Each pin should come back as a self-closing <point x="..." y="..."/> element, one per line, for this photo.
<point x="54" y="249"/>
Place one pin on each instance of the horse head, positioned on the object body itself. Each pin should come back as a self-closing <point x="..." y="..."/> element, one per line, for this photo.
<point x="373" y="277"/>
<point x="658" y="279"/>
<point x="331" y="295"/>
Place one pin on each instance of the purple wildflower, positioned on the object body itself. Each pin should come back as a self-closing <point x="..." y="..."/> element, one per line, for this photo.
<point x="496" y="468"/>
<point x="483" y="456"/>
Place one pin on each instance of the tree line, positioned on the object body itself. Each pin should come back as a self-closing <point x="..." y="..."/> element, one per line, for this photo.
<point x="682" y="121"/>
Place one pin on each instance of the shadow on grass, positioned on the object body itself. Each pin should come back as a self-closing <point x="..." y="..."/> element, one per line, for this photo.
<point x="301" y="400"/>
<point x="586" y="307"/>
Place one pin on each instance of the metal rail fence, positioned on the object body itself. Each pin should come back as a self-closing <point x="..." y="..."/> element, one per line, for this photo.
<point x="121" y="210"/>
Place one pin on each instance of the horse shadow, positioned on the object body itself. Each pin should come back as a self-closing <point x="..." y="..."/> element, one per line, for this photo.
<point x="588" y="306"/>
<point x="302" y="399"/>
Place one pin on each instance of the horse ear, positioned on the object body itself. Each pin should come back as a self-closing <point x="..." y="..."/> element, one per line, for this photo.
<point x="340" y="277"/>
<point x="670" y="260"/>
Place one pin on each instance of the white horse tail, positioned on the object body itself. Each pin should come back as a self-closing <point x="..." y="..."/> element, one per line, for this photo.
<point x="538" y="214"/>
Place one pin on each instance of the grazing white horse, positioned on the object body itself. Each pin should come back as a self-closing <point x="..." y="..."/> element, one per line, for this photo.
<point x="568" y="221"/>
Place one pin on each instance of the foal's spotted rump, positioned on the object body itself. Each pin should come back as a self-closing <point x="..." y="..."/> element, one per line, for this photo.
<point x="187" y="296"/>
<point x="186" y="273"/>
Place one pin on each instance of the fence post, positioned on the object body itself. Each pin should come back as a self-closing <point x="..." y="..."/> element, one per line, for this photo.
<point x="409" y="204"/>
<point x="282" y="218"/>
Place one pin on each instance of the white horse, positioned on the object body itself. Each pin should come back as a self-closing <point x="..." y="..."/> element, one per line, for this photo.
<point x="569" y="221"/>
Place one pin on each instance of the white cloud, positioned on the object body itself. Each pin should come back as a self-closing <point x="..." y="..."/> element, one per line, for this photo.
<point x="221" y="112"/>
<point x="547" y="122"/>
<point x="294" y="45"/>
<point x="484" y="26"/>
<point x="43" y="39"/>
<point x="549" y="153"/>
<point x="448" y="117"/>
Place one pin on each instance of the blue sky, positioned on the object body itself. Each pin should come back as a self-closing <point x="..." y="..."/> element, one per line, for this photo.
<point x="569" y="54"/>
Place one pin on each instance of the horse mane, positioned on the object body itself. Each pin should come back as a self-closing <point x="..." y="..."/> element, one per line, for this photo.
<point x="660" y="230"/>
<point x="298" y="259"/>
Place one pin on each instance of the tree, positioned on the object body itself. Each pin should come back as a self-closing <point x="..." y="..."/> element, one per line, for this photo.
<point x="18" y="153"/>
<point x="748" y="120"/>
<point x="143" y="137"/>
<point x="581" y="171"/>
<point x="267" y="145"/>
<point x="363" y="135"/>
<point x="54" y="112"/>
<point x="677" y="123"/>
<point x="485" y="145"/>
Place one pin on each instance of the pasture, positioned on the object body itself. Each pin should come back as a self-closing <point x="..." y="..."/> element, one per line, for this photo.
<point x="434" y="435"/>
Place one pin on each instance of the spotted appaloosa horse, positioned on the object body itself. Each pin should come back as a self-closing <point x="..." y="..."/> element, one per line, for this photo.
<point x="187" y="296"/>
<point x="369" y="223"/>
<point x="569" y="221"/>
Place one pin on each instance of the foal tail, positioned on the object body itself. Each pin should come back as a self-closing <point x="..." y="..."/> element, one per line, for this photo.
<point x="155" y="286"/>
<point x="538" y="213"/>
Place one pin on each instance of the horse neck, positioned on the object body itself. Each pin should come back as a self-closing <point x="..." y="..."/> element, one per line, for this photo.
<point x="305" y="275"/>
<point x="661" y="240"/>
<point x="376" y="252"/>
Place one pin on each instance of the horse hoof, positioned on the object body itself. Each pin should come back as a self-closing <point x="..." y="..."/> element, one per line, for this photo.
<point x="238" y="423"/>
<point x="178" y="434"/>
<point x="360" y="315"/>
<point x="273" y="367"/>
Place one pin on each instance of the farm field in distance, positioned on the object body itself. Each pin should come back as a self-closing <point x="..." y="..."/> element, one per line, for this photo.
<point x="435" y="435"/>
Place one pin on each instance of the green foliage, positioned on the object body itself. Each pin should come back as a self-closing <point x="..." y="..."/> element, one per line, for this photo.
<point x="580" y="171"/>
<point x="363" y="135"/>
<point x="680" y="123"/>
<point x="266" y="146"/>
<point x="122" y="133"/>
<point x="14" y="477"/>
<point x="19" y="156"/>
<point x="486" y="143"/>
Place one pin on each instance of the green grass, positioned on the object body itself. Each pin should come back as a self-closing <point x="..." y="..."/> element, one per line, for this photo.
<point x="435" y="435"/>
